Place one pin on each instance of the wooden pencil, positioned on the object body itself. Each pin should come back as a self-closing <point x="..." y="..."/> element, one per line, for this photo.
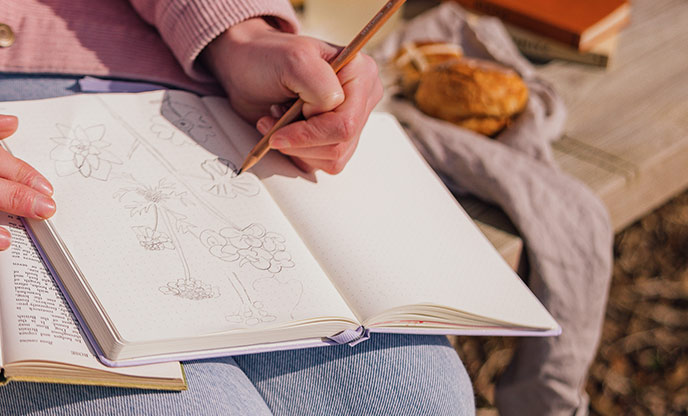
<point x="343" y="58"/>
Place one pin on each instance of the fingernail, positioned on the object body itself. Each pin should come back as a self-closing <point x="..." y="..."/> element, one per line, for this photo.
<point x="8" y="125"/>
<point x="43" y="186"/>
<point x="6" y="118"/>
<point x="263" y="126"/>
<point x="279" y="143"/>
<point x="44" y="207"/>
<point x="4" y="241"/>
<point x="338" y="98"/>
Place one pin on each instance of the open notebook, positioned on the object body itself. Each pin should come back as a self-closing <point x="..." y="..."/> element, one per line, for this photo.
<point x="168" y="255"/>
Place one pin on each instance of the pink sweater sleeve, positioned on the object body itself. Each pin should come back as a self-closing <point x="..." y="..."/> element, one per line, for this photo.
<point x="187" y="26"/>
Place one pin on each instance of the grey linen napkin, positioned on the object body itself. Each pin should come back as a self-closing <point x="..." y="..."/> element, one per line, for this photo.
<point x="565" y="227"/>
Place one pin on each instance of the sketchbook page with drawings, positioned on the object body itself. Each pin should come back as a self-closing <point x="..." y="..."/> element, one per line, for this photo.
<point x="172" y="243"/>
<point x="38" y="327"/>
<point x="412" y="243"/>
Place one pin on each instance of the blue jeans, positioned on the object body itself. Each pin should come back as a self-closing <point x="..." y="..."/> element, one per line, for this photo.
<point x="386" y="375"/>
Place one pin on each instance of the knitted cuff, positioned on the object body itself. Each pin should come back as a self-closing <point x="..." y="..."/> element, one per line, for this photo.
<point x="188" y="26"/>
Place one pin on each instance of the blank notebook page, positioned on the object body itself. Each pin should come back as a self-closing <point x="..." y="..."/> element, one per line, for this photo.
<point x="389" y="234"/>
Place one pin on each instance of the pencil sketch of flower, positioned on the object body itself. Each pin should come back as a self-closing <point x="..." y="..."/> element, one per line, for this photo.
<point x="143" y="198"/>
<point x="224" y="181"/>
<point x="187" y="118"/>
<point x="153" y="240"/>
<point x="190" y="289"/>
<point x="155" y="201"/>
<point x="83" y="150"/>
<point x="252" y="245"/>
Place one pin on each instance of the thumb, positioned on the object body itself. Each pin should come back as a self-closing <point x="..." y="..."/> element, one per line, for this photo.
<point x="311" y="77"/>
<point x="8" y="125"/>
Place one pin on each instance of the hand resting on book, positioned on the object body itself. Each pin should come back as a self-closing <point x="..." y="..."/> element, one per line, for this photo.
<point x="23" y="191"/>
<point x="259" y="66"/>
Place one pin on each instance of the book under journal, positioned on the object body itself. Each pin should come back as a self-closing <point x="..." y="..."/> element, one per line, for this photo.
<point x="40" y="340"/>
<point x="165" y="254"/>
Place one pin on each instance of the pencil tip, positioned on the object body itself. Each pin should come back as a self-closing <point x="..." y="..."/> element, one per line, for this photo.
<point x="239" y="172"/>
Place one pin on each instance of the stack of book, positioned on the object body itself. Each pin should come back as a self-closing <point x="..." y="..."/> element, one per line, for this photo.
<point x="583" y="31"/>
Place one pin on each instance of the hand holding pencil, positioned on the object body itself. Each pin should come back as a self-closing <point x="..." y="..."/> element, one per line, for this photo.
<point x="260" y="66"/>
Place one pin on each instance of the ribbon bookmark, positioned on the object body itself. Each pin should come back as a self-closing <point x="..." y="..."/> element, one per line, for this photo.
<point x="351" y="336"/>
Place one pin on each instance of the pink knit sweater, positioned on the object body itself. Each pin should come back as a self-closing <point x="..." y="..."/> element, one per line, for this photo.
<point x="151" y="40"/>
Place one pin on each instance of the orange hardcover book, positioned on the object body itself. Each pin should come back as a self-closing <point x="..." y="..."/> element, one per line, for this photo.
<point x="579" y="23"/>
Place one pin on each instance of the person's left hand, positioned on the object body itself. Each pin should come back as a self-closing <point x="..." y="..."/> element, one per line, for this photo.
<point x="23" y="191"/>
<point x="261" y="67"/>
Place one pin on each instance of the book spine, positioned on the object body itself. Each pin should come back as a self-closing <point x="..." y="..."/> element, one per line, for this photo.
<point x="589" y="42"/>
<point x="539" y="48"/>
<point x="523" y="20"/>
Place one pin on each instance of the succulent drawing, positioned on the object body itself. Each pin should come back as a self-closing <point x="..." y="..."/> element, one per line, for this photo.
<point x="251" y="245"/>
<point x="83" y="150"/>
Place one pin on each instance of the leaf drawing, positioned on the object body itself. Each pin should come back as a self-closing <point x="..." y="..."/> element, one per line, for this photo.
<point x="224" y="181"/>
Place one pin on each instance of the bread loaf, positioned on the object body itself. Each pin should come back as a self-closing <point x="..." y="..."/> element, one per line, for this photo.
<point x="475" y="94"/>
<point x="415" y="58"/>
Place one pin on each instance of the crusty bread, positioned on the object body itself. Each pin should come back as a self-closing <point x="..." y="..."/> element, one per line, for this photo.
<point x="488" y="126"/>
<point x="415" y="58"/>
<point x="475" y="94"/>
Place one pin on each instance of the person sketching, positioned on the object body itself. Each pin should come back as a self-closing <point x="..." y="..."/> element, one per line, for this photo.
<point x="258" y="66"/>
<point x="250" y="50"/>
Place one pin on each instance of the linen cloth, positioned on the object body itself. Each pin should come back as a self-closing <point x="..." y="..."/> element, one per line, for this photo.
<point x="565" y="227"/>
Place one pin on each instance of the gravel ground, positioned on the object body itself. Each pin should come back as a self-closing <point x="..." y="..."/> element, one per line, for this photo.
<point x="641" y="366"/>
